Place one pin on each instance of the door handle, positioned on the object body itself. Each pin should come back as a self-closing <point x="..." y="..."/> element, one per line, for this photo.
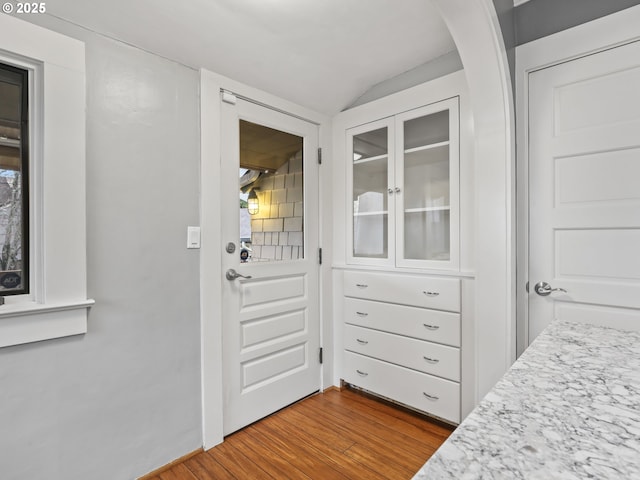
<point x="232" y="275"/>
<point x="543" y="289"/>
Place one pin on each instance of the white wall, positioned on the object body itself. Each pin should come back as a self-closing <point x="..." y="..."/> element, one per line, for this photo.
<point x="124" y="398"/>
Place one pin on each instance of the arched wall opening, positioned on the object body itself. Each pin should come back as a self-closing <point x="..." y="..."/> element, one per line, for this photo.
<point x="475" y="29"/>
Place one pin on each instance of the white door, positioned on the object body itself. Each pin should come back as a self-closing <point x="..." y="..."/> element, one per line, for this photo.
<point x="584" y="191"/>
<point x="271" y="334"/>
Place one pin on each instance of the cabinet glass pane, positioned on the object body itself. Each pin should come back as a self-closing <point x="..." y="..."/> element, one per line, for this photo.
<point x="427" y="187"/>
<point x="426" y="178"/>
<point x="426" y="235"/>
<point x="370" y="144"/>
<point x="370" y="207"/>
<point x="427" y="130"/>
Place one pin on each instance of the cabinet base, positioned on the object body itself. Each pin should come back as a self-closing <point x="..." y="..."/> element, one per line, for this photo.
<point x="398" y="405"/>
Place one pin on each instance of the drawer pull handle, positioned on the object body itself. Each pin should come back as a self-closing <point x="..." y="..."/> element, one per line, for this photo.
<point x="431" y="397"/>
<point x="362" y="314"/>
<point x="431" y="294"/>
<point x="431" y="327"/>
<point x="361" y="285"/>
<point x="364" y="374"/>
<point x="431" y="360"/>
<point x="361" y="342"/>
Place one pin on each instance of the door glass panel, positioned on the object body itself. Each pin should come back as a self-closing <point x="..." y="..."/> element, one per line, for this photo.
<point x="426" y="187"/>
<point x="370" y="207"/>
<point x="271" y="194"/>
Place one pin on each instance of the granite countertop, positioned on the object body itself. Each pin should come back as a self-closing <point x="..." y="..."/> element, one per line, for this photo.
<point x="569" y="408"/>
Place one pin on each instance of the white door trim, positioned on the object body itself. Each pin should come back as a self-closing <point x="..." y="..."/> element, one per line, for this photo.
<point x="601" y="34"/>
<point x="211" y="242"/>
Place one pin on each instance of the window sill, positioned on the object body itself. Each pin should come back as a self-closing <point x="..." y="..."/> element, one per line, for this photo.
<point x="34" y="322"/>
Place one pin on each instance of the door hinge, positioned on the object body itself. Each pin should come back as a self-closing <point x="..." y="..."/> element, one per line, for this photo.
<point x="319" y="156"/>
<point x="320" y="256"/>
<point x="320" y="355"/>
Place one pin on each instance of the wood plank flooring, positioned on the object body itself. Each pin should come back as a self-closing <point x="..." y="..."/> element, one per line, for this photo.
<point x="333" y="435"/>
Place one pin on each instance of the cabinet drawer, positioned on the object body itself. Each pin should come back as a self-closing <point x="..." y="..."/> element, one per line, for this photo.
<point x="419" y="355"/>
<point x="431" y="325"/>
<point x="430" y="394"/>
<point x="415" y="290"/>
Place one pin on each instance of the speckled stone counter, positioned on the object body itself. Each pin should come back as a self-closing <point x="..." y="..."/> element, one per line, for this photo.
<point x="569" y="408"/>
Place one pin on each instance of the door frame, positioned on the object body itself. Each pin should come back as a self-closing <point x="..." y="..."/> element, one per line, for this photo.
<point x="592" y="37"/>
<point x="211" y="277"/>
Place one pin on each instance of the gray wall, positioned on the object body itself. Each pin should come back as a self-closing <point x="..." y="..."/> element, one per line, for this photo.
<point x="124" y="398"/>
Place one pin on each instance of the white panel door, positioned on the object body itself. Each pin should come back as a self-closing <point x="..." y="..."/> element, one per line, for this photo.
<point x="271" y="334"/>
<point x="584" y="200"/>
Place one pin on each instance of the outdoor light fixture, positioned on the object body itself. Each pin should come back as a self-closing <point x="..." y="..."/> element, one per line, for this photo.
<point x="252" y="203"/>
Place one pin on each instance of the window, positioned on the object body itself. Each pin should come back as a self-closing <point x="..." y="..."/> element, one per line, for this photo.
<point x="47" y="70"/>
<point x="14" y="193"/>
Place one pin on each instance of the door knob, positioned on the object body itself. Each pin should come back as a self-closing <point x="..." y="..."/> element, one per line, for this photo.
<point x="232" y="275"/>
<point x="543" y="289"/>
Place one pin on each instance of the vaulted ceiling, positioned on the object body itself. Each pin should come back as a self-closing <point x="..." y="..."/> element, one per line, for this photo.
<point x="322" y="54"/>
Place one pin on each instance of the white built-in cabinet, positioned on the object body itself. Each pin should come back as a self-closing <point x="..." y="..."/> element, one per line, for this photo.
<point x="403" y="180"/>
<point x="403" y="265"/>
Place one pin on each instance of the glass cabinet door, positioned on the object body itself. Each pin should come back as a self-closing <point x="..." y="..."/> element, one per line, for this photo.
<point x="403" y="184"/>
<point x="371" y="173"/>
<point x="427" y="168"/>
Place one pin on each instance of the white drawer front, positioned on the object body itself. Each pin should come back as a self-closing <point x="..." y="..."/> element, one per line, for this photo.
<point x="433" y="395"/>
<point x="426" y="357"/>
<point x="416" y="290"/>
<point x="431" y="325"/>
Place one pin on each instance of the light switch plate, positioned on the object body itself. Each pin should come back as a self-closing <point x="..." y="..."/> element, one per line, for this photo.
<point x="193" y="237"/>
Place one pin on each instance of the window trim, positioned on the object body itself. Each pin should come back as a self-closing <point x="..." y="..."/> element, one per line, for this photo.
<point x="57" y="304"/>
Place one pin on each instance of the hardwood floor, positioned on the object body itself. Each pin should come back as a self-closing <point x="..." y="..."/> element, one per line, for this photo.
<point x="334" y="435"/>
